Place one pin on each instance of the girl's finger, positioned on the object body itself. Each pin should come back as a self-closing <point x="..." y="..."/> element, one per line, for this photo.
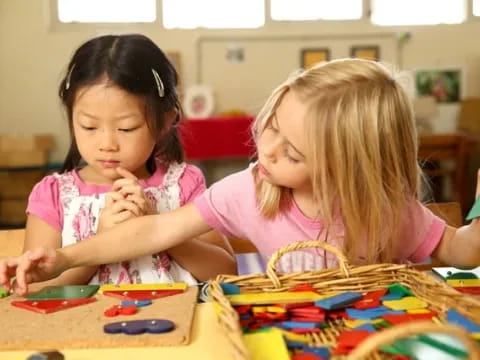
<point x="121" y="183"/>
<point x="111" y="197"/>
<point x="140" y="201"/>
<point x="120" y="206"/>
<point x="126" y="174"/>
<point x="123" y="216"/>
<point x="131" y="189"/>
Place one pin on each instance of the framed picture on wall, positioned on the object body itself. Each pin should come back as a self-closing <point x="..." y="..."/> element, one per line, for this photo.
<point x="444" y="85"/>
<point x="309" y="57"/>
<point x="368" y="52"/>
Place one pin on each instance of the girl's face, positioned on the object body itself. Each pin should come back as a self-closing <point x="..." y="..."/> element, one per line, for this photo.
<point x="281" y="146"/>
<point x="111" y="130"/>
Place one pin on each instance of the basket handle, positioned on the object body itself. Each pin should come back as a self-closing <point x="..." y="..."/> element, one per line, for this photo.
<point x="271" y="269"/>
<point x="395" y="333"/>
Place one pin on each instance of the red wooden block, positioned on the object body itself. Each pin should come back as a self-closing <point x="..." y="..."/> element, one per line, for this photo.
<point x="350" y="339"/>
<point x="405" y="318"/>
<point x="270" y="316"/>
<point x="468" y="290"/>
<point x="319" y="318"/>
<point x="337" y="314"/>
<point x="304" y="331"/>
<point x="141" y="294"/>
<point x="306" y="356"/>
<point x="243" y="309"/>
<point x="367" y="304"/>
<point x="375" y="295"/>
<point x="295" y="305"/>
<point x="49" y="306"/>
<point x="308" y="310"/>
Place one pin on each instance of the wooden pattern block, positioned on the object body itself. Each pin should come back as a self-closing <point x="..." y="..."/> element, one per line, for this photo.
<point x="456" y="283"/>
<point x="141" y="294"/>
<point x="135" y="327"/>
<point x="64" y="292"/>
<point x="455" y="318"/>
<point x="135" y="287"/>
<point x="3" y="292"/>
<point x="266" y="345"/>
<point x="50" y="306"/>
<point x="339" y="301"/>
<point x="406" y="303"/>
<point x="274" y="298"/>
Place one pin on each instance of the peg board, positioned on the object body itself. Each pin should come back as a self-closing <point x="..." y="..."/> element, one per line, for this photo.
<point x="82" y="326"/>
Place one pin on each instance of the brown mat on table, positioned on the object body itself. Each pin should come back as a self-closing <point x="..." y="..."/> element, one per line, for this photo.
<point x="82" y="326"/>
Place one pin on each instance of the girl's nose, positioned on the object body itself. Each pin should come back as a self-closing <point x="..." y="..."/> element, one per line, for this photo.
<point x="108" y="141"/>
<point x="271" y="150"/>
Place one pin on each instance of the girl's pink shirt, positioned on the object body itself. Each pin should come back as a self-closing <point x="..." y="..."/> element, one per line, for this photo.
<point x="44" y="200"/>
<point x="229" y="206"/>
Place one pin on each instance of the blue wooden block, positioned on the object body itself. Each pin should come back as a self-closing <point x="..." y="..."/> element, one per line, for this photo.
<point x="230" y="289"/>
<point x="339" y="301"/>
<point x="294" y="344"/>
<point x="370" y="314"/>
<point x="323" y="352"/>
<point x="300" y="325"/>
<point x="368" y="327"/>
<point x="456" y="318"/>
<point x="393" y="296"/>
<point x="137" y="303"/>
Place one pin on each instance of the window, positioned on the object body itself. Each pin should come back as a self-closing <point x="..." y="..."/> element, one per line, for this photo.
<point x="418" y="12"/>
<point x="476" y="7"/>
<point x="107" y="11"/>
<point x="316" y="10"/>
<point x="190" y="14"/>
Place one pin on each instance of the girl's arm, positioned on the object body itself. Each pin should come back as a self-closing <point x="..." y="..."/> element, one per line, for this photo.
<point x="461" y="247"/>
<point x="211" y="247"/>
<point x="41" y="234"/>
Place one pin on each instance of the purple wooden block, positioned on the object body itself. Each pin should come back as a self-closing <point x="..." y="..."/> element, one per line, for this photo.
<point x="135" y="327"/>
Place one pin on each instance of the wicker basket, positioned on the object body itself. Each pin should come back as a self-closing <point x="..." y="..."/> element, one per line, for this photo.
<point x="438" y="296"/>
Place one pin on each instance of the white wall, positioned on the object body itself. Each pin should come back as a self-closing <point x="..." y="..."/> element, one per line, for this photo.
<point x="34" y="52"/>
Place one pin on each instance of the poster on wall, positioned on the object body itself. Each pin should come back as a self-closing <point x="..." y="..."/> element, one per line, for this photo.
<point x="310" y="57"/>
<point x="443" y="84"/>
<point x="367" y="52"/>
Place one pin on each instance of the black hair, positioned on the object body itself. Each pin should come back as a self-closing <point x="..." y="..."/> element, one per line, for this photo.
<point x="127" y="61"/>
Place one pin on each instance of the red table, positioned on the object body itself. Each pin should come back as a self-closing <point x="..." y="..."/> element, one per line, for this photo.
<point x="217" y="137"/>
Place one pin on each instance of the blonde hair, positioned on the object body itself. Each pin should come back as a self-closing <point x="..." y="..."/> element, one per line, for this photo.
<point x="361" y="146"/>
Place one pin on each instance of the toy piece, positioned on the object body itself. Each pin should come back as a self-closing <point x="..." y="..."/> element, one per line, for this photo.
<point x="64" y="292"/>
<point x="135" y="327"/>
<point x="475" y="210"/>
<point x="137" y="303"/>
<point x="230" y="289"/>
<point x="453" y="317"/>
<point x="339" y="301"/>
<point x="116" y="310"/>
<point x="399" y="289"/>
<point x="49" y="306"/>
<point x="274" y="298"/>
<point x="48" y="355"/>
<point x="370" y="314"/>
<point x="141" y="294"/>
<point x="469" y="290"/>
<point x="266" y="345"/>
<point x="406" y="303"/>
<point x="3" y="292"/>
<point x="135" y="287"/>
<point x="464" y="283"/>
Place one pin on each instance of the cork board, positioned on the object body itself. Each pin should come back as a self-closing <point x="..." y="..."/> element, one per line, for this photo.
<point x="82" y="326"/>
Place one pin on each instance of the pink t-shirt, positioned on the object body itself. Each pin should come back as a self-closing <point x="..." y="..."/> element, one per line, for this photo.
<point x="229" y="206"/>
<point x="44" y="200"/>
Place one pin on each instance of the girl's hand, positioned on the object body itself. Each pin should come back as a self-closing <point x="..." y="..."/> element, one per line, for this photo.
<point x="117" y="210"/>
<point x="33" y="266"/>
<point x="131" y="190"/>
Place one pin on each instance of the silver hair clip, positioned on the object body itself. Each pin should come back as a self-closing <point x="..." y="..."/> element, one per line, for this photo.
<point x="69" y="75"/>
<point x="160" y="88"/>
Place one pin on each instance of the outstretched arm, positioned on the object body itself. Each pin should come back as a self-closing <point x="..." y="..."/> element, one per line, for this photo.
<point x="461" y="247"/>
<point x="134" y="238"/>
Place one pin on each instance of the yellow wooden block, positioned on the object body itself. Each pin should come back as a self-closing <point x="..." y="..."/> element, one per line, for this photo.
<point x="291" y="335"/>
<point x="406" y="303"/>
<point x="418" y="311"/>
<point x="464" y="283"/>
<point x="266" y="345"/>
<point x="359" y="322"/>
<point x="133" y="287"/>
<point x="276" y="309"/>
<point x="259" y="309"/>
<point x="476" y="336"/>
<point x="275" y="298"/>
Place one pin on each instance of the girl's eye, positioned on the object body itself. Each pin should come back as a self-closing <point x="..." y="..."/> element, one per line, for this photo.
<point x="289" y="158"/>
<point x="127" y="130"/>
<point x="88" y="128"/>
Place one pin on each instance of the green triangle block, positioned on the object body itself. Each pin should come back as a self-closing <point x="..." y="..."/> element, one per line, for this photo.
<point x="3" y="292"/>
<point x="64" y="292"/>
<point x="475" y="210"/>
<point x="399" y="289"/>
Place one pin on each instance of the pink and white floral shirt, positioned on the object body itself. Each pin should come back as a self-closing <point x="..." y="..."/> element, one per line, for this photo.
<point x="73" y="207"/>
